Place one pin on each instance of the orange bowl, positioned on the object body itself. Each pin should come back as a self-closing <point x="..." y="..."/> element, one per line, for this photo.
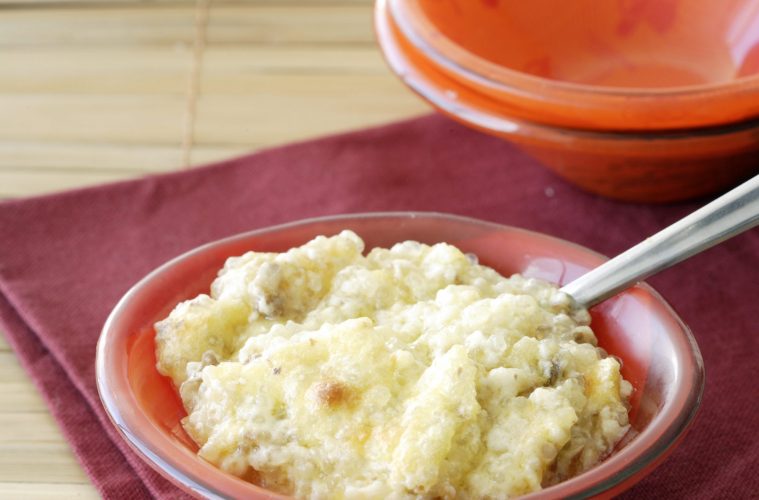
<point x="625" y="65"/>
<point x="660" y="357"/>
<point x="654" y="166"/>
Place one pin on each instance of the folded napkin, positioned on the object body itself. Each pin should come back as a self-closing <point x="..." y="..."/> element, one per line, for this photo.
<point x="65" y="260"/>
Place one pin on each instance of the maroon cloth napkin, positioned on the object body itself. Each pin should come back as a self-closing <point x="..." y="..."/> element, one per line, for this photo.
<point x="66" y="259"/>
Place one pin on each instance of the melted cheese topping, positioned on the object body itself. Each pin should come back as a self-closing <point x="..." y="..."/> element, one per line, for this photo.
<point x="411" y="372"/>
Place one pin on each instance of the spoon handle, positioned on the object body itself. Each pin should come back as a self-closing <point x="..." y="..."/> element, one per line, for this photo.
<point x="729" y="215"/>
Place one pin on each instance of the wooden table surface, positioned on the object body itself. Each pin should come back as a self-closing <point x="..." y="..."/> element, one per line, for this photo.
<point x="97" y="91"/>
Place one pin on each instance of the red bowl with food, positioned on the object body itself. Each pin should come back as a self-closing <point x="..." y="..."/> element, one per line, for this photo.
<point x="638" y="65"/>
<point x="659" y="355"/>
<point x="653" y="166"/>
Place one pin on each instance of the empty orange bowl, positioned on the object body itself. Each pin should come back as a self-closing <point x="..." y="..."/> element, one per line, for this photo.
<point x="653" y="166"/>
<point x="628" y="65"/>
<point x="660" y="357"/>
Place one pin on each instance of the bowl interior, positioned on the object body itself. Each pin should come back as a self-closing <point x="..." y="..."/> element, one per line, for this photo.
<point x="659" y="357"/>
<point x="630" y="44"/>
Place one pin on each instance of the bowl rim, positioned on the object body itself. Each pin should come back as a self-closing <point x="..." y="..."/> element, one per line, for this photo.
<point x="686" y="396"/>
<point x="521" y="83"/>
<point x="418" y="81"/>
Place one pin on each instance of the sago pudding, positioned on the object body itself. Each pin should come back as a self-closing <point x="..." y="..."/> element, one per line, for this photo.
<point x="410" y="372"/>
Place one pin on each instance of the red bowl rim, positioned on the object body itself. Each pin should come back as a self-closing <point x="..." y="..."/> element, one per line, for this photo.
<point x="451" y="55"/>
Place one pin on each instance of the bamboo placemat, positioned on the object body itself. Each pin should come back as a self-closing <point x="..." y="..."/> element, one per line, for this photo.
<point x="105" y="90"/>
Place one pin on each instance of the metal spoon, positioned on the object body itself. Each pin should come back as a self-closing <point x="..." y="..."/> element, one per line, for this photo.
<point x="730" y="214"/>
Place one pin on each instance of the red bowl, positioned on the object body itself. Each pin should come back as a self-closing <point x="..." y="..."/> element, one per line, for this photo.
<point x="660" y="357"/>
<point x="632" y="65"/>
<point x="649" y="167"/>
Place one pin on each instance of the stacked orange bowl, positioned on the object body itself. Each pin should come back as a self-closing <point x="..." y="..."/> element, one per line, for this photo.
<point x="639" y="100"/>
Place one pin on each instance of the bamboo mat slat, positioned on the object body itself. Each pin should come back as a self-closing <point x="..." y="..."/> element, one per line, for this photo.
<point x="72" y="156"/>
<point x="158" y="24"/>
<point x="125" y="119"/>
<point x="120" y="70"/>
<point x="44" y="491"/>
<point x="151" y="3"/>
<point x="21" y="464"/>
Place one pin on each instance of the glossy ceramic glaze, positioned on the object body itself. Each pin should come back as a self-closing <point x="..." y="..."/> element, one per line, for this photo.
<point x="660" y="357"/>
<point x="616" y="64"/>
<point x="648" y="167"/>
